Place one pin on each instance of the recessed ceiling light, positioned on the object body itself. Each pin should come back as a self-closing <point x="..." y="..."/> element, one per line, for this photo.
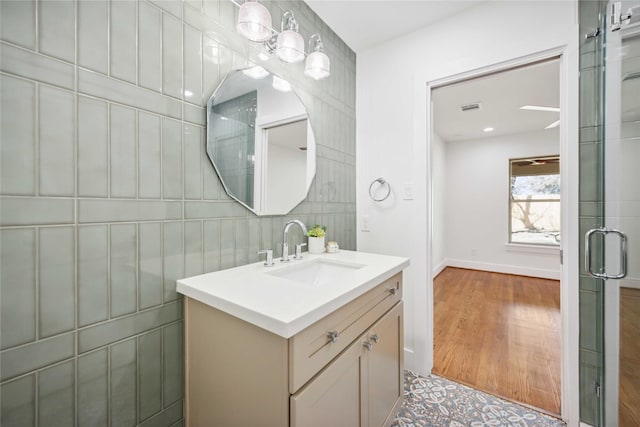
<point x="553" y="125"/>
<point x="540" y="108"/>
<point x="489" y="129"/>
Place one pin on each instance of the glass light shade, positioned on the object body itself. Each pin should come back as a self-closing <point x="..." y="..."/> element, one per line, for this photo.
<point x="254" y="21"/>
<point x="317" y="66"/>
<point x="290" y="46"/>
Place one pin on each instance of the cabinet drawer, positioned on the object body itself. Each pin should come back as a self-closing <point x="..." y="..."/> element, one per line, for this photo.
<point x="311" y="349"/>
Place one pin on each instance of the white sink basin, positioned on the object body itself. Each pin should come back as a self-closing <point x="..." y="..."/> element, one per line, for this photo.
<point x="318" y="272"/>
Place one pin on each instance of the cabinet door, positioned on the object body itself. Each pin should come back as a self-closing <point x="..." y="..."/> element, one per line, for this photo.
<point x="333" y="397"/>
<point x="385" y="365"/>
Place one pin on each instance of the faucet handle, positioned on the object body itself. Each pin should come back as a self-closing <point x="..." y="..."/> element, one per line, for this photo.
<point x="298" y="254"/>
<point x="269" y="261"/>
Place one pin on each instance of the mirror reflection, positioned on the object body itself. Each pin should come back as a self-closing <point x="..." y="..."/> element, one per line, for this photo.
<point x="260" y="141"/>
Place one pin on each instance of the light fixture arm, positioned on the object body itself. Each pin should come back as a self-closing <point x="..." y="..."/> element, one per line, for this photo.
<point x="289" y="22"/>
<point x="319" y="46"/>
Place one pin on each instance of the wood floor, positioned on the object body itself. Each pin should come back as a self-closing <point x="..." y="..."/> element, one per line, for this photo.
<point x="499" y="333"/>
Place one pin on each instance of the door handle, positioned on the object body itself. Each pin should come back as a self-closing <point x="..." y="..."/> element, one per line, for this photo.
<point x="623" y="253"/>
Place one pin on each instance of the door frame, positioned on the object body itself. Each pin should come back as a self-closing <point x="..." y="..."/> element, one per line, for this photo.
<point x="569" y="160"/>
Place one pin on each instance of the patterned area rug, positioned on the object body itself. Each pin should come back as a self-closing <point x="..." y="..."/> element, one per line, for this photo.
<point x="436" y="402"/>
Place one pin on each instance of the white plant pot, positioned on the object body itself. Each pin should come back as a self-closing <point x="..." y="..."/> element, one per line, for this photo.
<point x="316" y="245"/>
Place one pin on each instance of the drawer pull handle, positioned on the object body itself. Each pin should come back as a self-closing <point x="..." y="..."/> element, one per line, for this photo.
<point x="333" y="336"/>
<point x="375" y="338"/>
<point x="393" y="291"/>
<point x="367" y="345"/>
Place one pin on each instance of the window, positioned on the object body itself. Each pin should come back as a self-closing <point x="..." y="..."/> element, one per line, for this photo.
<point x="534" y="206"/>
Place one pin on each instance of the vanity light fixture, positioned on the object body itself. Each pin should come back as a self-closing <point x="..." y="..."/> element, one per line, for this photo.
<point x="317" y="65"/>
<point x="488" y="129"/>
<point x="290" y="44"/>
<point x="254" y="21"/>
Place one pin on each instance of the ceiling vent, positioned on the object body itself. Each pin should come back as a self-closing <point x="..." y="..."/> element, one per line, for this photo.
<point x="470" y="107"/>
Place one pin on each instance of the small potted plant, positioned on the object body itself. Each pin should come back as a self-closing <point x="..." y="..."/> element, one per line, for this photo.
<point x="316" y="238"/>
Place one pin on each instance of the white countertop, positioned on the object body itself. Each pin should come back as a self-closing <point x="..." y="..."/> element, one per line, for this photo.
<point x="282" y="306"/>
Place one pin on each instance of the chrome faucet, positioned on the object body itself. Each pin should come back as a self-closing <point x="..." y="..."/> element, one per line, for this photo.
<point x="285" y="237"/>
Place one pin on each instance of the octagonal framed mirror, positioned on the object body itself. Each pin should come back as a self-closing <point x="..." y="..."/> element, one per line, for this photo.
<point x="260" y="141"/>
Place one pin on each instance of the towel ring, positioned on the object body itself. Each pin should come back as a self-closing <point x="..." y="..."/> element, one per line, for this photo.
<point x="382" y="182"/>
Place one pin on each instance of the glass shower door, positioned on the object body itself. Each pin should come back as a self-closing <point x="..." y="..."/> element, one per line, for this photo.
<point x="619" y="239"/>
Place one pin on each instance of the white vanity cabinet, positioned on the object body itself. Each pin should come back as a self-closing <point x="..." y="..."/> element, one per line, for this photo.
<point x="362" y="387"/>
<point x="345" y="369"/>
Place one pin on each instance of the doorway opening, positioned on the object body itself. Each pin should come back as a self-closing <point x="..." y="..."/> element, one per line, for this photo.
<point x="496" y="232"/>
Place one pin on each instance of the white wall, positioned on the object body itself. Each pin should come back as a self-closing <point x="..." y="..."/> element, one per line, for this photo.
<point x="477" y="228"/>
<point x="392" y="134"/>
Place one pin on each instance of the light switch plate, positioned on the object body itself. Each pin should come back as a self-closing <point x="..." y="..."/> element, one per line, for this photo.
<point x="407" y="191"/>
<point x="364" y="223"/>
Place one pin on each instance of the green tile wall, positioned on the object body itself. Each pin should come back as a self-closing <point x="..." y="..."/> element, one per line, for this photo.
<point x="591" y="209"/>
<point x="107" y="196"/>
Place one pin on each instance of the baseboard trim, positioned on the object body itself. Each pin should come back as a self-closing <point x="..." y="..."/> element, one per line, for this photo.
<point x="503" y="268"/>
<point x="438" y="269"/>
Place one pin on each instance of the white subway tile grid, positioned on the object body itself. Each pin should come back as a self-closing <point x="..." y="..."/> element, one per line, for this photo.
<point x="193" y="249"/>
<point x="173" y="7"/>
<point x="93" y="274"/>
<point x="150" y="285"/>
<point x="56" y="142"/>
<point x="18" y="287"/>
<point x="30" y="65"/>
<point x="149" y="156"/>
<point x="173" y="252"/>
<point x="192" y="50"/>
<point x="18" y="136"/>
<point x="123" y="284"/>
<point x="93" y="33"/>
<point x="56" y="281"/>
<point x="171" y="159"/>
<point x="56" y="29"/>
<point x="122" y="371"/>
<point x="19" y="401"/>
<point x="172" y="56"/>
<point x="173" y="362"/>
<point x="149" y="46"/>
<point x="193" y="143"/>
<point x="122" y="151"/>
<point x="93" y="388"/>
<point x="93" y="147"/>
<point x="211" y="245"/>
<point x="101" y="86"/>
<point x="150" y="376"/>
<point x="123" y="40"/>
<point x="24" y="211"/>
<point x="56" y="395"/>
<point x="18" y="22"/>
